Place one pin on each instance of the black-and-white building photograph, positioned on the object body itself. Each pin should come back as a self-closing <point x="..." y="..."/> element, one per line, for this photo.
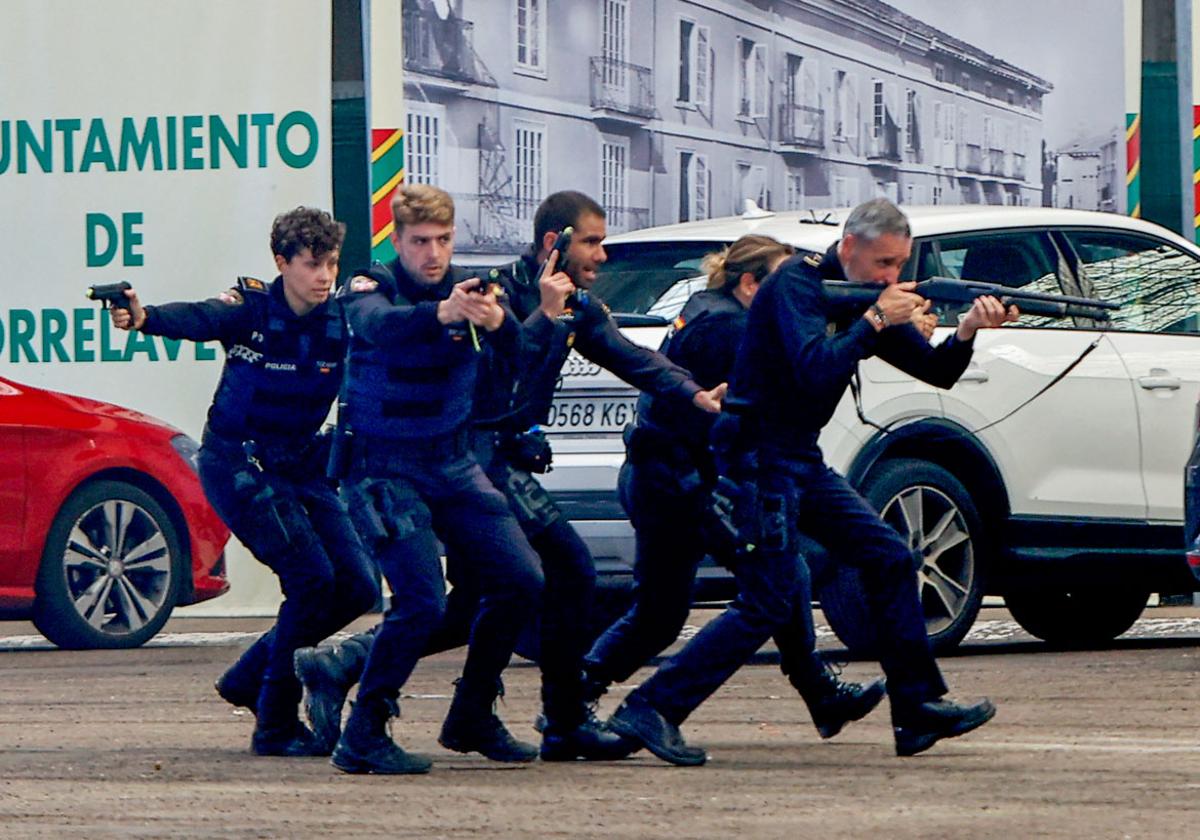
<point x="675" y="110"/>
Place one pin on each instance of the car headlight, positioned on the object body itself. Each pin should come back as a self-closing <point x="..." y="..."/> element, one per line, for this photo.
<point x="188" y="449"/>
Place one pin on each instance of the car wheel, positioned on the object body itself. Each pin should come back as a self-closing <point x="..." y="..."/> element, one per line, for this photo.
<point x="934" y="514"/>
<point x="1079" y="617"/>
<point x="110" y="572"/>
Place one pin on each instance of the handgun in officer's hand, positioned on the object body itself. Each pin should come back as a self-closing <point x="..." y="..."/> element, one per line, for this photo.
<point x="578" y="298"/>
<point x="112" y="294"/>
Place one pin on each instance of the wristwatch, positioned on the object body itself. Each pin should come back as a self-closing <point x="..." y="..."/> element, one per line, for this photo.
<point x="877" y="317"/>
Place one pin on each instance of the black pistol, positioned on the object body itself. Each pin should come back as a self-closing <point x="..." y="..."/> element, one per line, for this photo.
<point x="578" y="298"/>
<point x="112" y="294"/>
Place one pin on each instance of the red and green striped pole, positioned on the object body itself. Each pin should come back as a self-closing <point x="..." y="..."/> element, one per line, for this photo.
<point x="386" y="101"/>
<point x="387" y="172"/>
<point x="1133" y="107"/>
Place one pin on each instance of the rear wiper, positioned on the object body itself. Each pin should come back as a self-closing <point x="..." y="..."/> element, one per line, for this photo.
<point x="812" y="219"/>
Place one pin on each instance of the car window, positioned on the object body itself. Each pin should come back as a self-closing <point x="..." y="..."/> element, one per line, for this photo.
<point x="637" y="275"/>
<point x="1156" y="283"/>
<point x="1026" y="260"/>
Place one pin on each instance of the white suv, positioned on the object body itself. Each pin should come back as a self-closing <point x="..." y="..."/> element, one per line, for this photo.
<point x="1070" y="506"/>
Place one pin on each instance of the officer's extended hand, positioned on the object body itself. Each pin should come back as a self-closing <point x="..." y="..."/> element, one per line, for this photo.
<point x="924" y="320"/>
<point x="555" y="286"/>
<point x="452" y="310"/>
<point x="131" y="318"/>
<point x="898" y="302"/>
<point x="710" y="401"/>
<point x="986" y="311"/>
<point x="481" y="307"/>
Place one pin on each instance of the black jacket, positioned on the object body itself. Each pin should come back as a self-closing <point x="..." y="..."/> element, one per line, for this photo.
<point x="794" y="369"/>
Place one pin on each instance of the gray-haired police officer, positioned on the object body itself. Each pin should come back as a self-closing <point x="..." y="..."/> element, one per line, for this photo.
<point x="793" y="373"/>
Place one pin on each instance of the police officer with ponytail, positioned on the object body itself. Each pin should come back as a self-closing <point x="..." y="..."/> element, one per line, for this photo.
<point x="665" y="486"/>
<point x="263" y="465"/>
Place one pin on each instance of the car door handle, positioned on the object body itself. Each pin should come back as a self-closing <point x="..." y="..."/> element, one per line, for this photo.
<point x="1160" y="379"/>
<point x="974" y="374"/>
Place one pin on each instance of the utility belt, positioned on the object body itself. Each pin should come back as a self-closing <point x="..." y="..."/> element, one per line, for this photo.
<point x="646" y="444"/>
<point x="379" y="456"/>
<point x="298" y="459"/>
<point x="529" y="450"/>
<point x="272" y="517"/>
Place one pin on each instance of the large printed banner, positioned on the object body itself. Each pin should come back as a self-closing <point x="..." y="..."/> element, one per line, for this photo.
<point x="150" y="141"/>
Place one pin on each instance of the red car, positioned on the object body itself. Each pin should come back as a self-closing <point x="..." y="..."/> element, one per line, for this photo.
<point x="104" y="527"/>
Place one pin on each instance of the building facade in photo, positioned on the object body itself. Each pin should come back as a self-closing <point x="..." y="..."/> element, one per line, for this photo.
<point x="672" y="110"/>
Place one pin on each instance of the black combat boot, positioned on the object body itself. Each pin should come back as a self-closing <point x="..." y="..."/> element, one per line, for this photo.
<point x="242" y="681"/>
<point x="918" y="726"/>
<point x="831" y="702"/>
<point x="328" y="673"/>
<point x="472" y="726"/>
<point x="366" y="747"/>
<point x="571" y="730"/>
<point x="278" y="730"/>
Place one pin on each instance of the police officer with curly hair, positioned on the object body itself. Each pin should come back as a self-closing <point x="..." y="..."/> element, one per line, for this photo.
<point x="263" y="465"/>
<point x="792" y="371"/>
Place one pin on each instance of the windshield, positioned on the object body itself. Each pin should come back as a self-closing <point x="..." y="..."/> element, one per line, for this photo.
<point x="638" y="275"/>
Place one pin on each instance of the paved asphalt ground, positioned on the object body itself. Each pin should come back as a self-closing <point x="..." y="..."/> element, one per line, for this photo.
<point x="134" y="744"/>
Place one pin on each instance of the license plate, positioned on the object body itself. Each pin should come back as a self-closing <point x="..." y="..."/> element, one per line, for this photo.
<point x="590" y="415"/>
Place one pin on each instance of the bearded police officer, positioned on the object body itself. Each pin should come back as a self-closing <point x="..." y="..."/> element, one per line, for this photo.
<point x="793" y="372"/>
<point x="262" y="465"/>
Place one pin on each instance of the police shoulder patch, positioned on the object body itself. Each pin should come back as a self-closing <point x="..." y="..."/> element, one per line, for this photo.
<point x="251" y="284"/>
<point x="232" y="297"/>
<point x="362" y="283"/>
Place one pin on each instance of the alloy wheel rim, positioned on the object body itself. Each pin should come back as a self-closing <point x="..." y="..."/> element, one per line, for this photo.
<point x="936" y="532"/>
<point x="118" y="567"/>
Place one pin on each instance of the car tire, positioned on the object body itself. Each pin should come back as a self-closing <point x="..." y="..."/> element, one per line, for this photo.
<point x="948" y="564"/>
<point x="1080" y="617"/>
<point x="111" y="569"/>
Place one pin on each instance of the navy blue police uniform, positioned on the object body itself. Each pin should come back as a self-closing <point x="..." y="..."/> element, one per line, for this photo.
<point x="793" y="372"/>
<point x="514" y="398"/>
<point x="667" y="479"/>
<point x="263" y="468"/>
<point x="407" y="411"/>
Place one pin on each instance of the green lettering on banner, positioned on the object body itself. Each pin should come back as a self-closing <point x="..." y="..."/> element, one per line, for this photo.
<point x="1" y="336"/>
<point x="54" y="330"/>
<point x="84" y="334"/>
<point x="222" y="137"/>
<point x="204" y="353"/>
<point x="22" y="326"/>
<point x="171" y="346"/>
<point x="97" y="149"/>
<point x="107" y="353"/>
<point x="261" y="122"/>
<point x="139" y="342"/>
<point x="297" y="119"/>
<point x="26" y="142"/>
<point x="67" y="129"/>
<point x="149" y="144"/>
<point x="130" y="222"/>
<point x="96" y="258"/>
<point x="192" y="142"/>
<point x="170" y="143"/>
